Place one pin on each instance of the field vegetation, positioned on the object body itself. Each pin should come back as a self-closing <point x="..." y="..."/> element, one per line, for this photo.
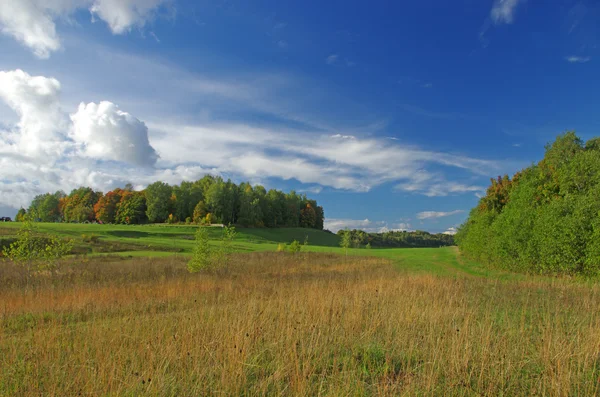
<point x="293" y="324"/>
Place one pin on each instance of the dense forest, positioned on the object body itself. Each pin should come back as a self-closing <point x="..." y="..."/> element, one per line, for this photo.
<point x="546" y="218"/>
<point x="208" y="200"/>
<point x="398" y="239"/>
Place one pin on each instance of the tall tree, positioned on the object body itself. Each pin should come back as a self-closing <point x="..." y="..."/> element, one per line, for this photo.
<point x="158" y="202"/>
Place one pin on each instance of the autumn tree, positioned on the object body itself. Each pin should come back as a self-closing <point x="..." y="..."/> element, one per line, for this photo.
<point x="106" y="207"/>
<point x="131" y="208"/>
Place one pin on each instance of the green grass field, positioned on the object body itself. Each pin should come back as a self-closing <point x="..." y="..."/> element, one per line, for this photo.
<point x="168" y="240"/>
<point x="127" y="318"/>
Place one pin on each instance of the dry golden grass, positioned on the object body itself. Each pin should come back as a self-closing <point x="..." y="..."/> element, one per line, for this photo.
<point x="277" y="324"/>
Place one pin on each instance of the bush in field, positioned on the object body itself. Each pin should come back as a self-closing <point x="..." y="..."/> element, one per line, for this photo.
<point x="202" y="252"/>
<point x="294" y="247"/>
<point x="346" y="241"/>
<point x="36" y="253"/>
<point x="206" y="257"/>
<point x="281" y="247"/>
<point x="91" y="238"/>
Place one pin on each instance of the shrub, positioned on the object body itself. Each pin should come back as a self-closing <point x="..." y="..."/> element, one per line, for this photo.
<point x="92" y="238"/>
<point x="202" y="252"/>
<point x="36" y="253"/>
<point x="294" y="247"/>
<point x="281" y="247"/>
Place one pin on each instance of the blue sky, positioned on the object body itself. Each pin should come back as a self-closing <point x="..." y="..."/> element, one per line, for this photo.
<point x="392" y="116"/>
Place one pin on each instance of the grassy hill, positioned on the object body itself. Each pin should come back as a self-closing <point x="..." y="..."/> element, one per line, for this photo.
<point x="155" y="240"/>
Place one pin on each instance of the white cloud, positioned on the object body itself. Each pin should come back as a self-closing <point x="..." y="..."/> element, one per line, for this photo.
<point x="365" y="224"/>
<point x="312" y="189"/>
<point x="101" y="131"/>
<point x="436" y="187"/>
<point x="576" y="59"/>
<point x="107" y="133"/>
<point x="503" y="11"/>
<point x="331" y="59"/>
<point x="122" y="15"/>
<point x="437" y="214"/>
<point x="450" y="231"/>
<point x="32" y="22"/>
<point x="45" y="152"/>
<point x="42" y="124"/>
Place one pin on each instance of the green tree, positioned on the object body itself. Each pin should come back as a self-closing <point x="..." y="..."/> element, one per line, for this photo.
<point x="131" y="210"/>
<point x="202" y="253"/>
<point x="158" y="202"/>
<point x="21" y="214"/>
<point x="346" y="241"/>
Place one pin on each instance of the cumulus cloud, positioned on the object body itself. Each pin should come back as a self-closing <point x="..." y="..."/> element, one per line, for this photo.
<point x="437" y="214"/>
<point x="32" y="22"/>
<point x="365" y="224"/>
<point x="503" y="11"/>
<point x="107" y="133"/>
<point x="42" y="124"/>
<point x="45" y="151"/>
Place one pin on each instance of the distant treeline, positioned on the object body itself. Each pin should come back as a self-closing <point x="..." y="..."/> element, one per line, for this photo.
<point x="205" y="201"/>
<point x="398" y="239"/>
<point x="546" y="219"/>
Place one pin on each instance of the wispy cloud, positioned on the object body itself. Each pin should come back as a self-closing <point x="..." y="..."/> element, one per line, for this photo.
<point x="503" y="11"/>
<point x="437" y="214"/>
<point x="312" y="189"/>
<point x="297" y="142"/>
<point x="331" y="59"/>
<point x="577" y="59"/>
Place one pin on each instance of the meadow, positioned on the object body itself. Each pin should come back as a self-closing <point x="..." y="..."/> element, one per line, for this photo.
<point x="134" y="321"/>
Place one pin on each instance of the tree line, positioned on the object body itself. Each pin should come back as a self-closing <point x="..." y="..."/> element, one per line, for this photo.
<point x="396" y="239"/>
<point x="205" y="201"/>
<point x="546" y="218"/>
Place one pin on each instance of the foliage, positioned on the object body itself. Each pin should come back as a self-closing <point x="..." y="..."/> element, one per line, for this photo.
<point x="398" y="239"/>
<point x="281" y="247"/>
<point x="158" y="202"/>
<point x="35" y="252"/>
<point x="206" y="257"/>
<point x="202" y="254"/>
<point x="294" y="247"/>
<point x="46" y="207"/>
<point x="206" y="201"/>
<point x="131" y="208"/>
<point x="346" y="241"/>
<point x="21" y="214"/>
<point x="78" y="206"/>
<point x="106" y="207"/>
<point x="546" y="218"/>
